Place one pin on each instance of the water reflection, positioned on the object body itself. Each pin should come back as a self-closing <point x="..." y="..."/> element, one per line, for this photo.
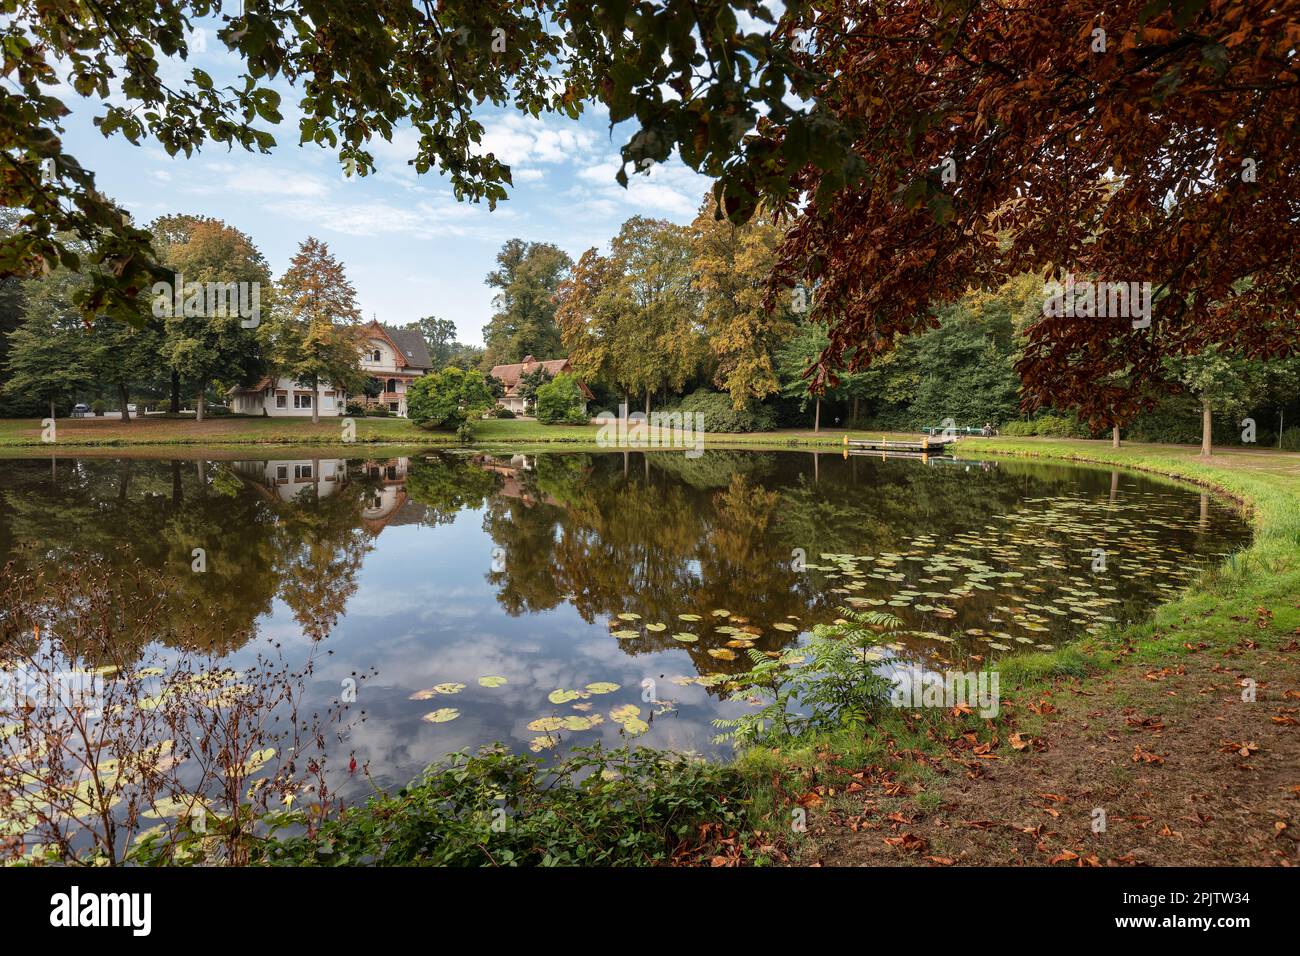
<point x="446" y="567"/>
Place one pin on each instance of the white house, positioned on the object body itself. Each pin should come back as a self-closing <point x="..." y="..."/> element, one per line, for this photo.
<point x="393" y="358"/>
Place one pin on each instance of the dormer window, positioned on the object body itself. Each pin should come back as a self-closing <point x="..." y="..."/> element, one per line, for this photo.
<point x="375" y="356"/>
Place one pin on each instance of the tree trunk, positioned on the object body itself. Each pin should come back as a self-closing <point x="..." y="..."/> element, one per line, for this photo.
<point x="1207" y="428"/>
<point x="315" y="401"/>
<point x="647" y="403"/>
<point x="51" y="409"/>
<point x="1114" y="437"/>
<point x="854" y="422"/>
<point x="177" y="492"/>
<point x="198" y="405"/>
<point x="124" y="398"/>
<point x="817" y="416"/>
<point x="176" y="392"/>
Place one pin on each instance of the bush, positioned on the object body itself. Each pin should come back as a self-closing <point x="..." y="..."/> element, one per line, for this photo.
<point x="720" y="416"/>
<point x="560" y="402"/>
<point x="593" y="808"/>
<point x="503" y="412"/>
<point x="1048" y="426"/>
<point x="448" y="398"/>
<point x="1291" y="438"/>
<point x="99" y="406"/>
<point x="355" y="409"/>
<point x="379" y="411"/>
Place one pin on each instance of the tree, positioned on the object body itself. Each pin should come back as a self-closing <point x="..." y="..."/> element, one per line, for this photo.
<point x="984" y="142"/>
<point x="314" y="336"/>
<point x="732" y="264"/>
<point x="796" y="357"/>
<point x="47" y="360"/>
<point x="560" y="401"/>
<point x="527" y="276"/>
<point x="1220" y="381"/>
<point x="447" y="399"/>
<point x="205" y="340"/>
<point x="364" y="69"/>
<point x="530" y="383"/>
<point x="631" y="319"/>
<point x="439" y="335"/>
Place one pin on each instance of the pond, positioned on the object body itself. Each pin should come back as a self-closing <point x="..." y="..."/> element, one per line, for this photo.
<point x="479" y="594"/>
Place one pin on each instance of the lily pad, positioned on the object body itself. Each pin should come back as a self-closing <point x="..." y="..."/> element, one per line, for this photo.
<point x="491" y="680"/>
<point x="441" y="715"/>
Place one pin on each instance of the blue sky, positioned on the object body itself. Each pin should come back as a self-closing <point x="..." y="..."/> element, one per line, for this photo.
<point x="409" y="247"/>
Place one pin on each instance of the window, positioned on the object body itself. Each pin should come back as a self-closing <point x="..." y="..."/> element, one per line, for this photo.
<point x="281" y="400"/>
<point x="301" y="400"/>
<point x="302" y="472"/>
<point x="392" y="385"/>
<point x="392" y="406"/>
<point x="281" y="472"/>
<point x="376" y="356"/>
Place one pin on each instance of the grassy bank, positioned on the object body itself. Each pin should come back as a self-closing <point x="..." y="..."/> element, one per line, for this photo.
<point x="1149" y="718"/>
<point x="288" y="432"/>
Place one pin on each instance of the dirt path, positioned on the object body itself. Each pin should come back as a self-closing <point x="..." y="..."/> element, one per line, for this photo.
<point x="1186" y="772"/>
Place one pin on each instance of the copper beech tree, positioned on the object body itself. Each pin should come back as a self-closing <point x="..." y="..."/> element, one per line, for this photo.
<point x="1128" y="141"/>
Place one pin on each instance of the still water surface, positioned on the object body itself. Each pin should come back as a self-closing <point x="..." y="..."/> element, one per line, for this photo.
<point x="491" y="582"/>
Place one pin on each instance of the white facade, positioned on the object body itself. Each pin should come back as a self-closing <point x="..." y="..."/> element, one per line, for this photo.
<point x="285" y="398"/>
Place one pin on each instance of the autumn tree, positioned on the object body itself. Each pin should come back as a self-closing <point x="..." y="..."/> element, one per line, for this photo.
<point x="206" y="338"/>
<point x="630" y="319"/>
<point x="314" y="336"/>
<point x="964" y="143"/>
<point x="732" y="265"/>
<point x="527" y="277"/>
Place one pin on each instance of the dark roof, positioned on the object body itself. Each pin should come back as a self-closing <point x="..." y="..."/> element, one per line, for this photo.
<point x="412" y="344"/>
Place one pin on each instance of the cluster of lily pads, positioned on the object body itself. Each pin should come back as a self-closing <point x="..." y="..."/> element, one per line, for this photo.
<point x="739" y="631"/>
<point x="628" y="716"/>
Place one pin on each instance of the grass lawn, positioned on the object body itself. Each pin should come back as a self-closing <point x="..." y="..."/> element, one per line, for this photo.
<point x="230" y="430"/>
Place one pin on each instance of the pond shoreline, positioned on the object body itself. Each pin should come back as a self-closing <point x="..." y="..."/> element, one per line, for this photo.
<point x="1060" y="749"/>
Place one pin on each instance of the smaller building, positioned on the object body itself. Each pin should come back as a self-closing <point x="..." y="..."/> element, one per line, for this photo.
<point x="510" y="376"/>
<point x="284" y="398"/>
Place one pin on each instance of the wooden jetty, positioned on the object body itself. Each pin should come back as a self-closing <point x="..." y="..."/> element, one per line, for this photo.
<point x="924" y="446"/>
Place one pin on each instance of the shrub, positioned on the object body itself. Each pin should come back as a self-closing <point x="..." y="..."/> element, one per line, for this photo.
<point x="721" y="416"/>
<point x="594" y="808"/>
<point x="379" y="411"/>
<point x="355" y="409"/>
<point x="99" y="406"/>
<point x="828" y="683"/>
<point x="1291" y="438"/>
<point x="560" y="402"/>
<point x="1048" y="426"/>
<point x="503" y="412"/>
<point x="448" y="398"/>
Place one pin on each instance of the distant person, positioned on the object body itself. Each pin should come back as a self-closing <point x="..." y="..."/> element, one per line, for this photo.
<point x="988" y="430"/>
